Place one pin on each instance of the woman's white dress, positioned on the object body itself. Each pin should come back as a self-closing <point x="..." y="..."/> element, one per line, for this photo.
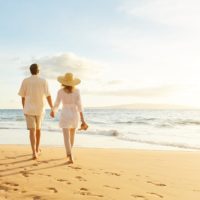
<point x="71" y="107"/>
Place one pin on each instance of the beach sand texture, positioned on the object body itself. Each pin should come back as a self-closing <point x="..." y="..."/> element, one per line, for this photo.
<point x="102" y="174"/>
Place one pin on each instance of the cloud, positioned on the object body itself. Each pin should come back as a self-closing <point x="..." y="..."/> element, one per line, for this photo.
<point x="6" y="60"/>
<point x="55" y="65"/>
<point x="161" y="91"/>
<point x="183" y="13"/>
<point x="159" y="41"/>
<point x="114" y="82"/>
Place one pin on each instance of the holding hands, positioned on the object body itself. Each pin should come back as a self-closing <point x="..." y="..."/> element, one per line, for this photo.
<point x="52" y="114"/>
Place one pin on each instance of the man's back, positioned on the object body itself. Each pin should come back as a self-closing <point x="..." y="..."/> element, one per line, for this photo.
<point x="34" y="89"/>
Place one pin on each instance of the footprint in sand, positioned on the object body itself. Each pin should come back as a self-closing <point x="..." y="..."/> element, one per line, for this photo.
<point x="11" y="184"/>
<point x="37" y="198"/>
<point x="116" y="188"/>
<point x="139" y="197"/>
<point x="53" y="189"/>
<point x="80" y="178"/>
<point x="196" y="190"/>
<point x="26" y="174"/>
<point x="63" y="180"/>
<point x="75" y="167"/>
<point x="158" y="195"/>
<point x="113" y="173"/>
<point x="4" y="188"/>
<point x="44" y="161"/>
<point x="10" y="157"/>
<point x="44" y="174"/>
<point x="96" y="173"/>
<point x="84" y="191"/>
<point x="157" y="184"/>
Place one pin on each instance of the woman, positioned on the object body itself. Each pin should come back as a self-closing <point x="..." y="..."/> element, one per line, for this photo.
<point x="71" y="112"/>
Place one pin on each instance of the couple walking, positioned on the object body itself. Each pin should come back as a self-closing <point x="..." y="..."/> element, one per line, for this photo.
<point x="33" y="92"/>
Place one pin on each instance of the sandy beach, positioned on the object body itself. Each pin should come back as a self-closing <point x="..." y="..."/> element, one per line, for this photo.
<point x="110" y="174"/>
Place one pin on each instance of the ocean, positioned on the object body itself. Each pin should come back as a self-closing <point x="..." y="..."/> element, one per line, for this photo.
<point x="114" y="128"/>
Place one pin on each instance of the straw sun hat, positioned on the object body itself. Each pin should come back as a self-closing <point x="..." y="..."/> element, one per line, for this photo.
<point x="68" y="80"/>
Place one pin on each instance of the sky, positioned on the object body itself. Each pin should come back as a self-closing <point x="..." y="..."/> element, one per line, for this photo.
<point x="124" y="51"/>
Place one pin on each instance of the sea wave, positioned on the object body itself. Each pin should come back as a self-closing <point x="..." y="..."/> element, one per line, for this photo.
<point x="20" y="119"/>
<point x="130" y="138"/>
<point x="179" y="122"/>
<point x="161" y="123"/>
<point x="132" y="122"/>
<point x="11" y="119"/>
<point x="187" y="122"/>
<point x="11" y="128"/>
<point x="112" y="132"/>
<point x="162" y="143"/>
<point x="135" y="137"/>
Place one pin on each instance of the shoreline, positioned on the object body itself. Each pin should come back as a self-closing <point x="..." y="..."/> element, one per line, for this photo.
<point x="110" y="148"/>
<point x="98" y="174"/>
<point x="10" y="137"/>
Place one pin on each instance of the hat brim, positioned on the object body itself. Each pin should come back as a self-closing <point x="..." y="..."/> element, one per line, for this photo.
<point x="61" y="79"/>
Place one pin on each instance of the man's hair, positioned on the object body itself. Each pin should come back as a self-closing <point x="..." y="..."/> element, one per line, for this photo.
<point x="34" y="69"/>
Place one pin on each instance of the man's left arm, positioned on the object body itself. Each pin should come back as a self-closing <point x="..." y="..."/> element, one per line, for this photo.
<point x="49" y="100"/>
<point x="48" y="95"/>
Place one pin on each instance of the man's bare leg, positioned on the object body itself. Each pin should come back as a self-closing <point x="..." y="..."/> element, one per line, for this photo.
<point x="33" y="142"/>
<point x="72" y="134"/>
<point x="38" y="140"/>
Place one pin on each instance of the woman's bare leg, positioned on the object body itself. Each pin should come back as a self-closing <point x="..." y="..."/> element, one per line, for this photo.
<point x="72" y="135"/>
<point x="66" y="135"/>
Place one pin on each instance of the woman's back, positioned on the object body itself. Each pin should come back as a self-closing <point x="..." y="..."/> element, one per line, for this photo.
<point x="69" y="99"/>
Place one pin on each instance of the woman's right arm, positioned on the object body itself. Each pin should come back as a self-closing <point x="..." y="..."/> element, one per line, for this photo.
<point x="82" y="117"/>
<point x="80" y="107"/>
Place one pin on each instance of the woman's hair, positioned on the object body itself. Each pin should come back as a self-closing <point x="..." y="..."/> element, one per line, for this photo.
<point x="68" y="88"/>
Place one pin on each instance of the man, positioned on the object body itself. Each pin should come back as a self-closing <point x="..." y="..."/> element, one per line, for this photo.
<point x="33" y="91"/>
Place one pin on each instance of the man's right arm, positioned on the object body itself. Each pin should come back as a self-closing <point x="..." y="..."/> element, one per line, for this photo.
<point x="23" y="101"/>
<point x="22" y="93"/>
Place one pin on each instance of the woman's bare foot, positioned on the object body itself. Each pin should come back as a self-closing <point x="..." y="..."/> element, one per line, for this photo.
<point x="39" y="152"/>
<point x="35" y="157"/>
<point x="70" y="161"/>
